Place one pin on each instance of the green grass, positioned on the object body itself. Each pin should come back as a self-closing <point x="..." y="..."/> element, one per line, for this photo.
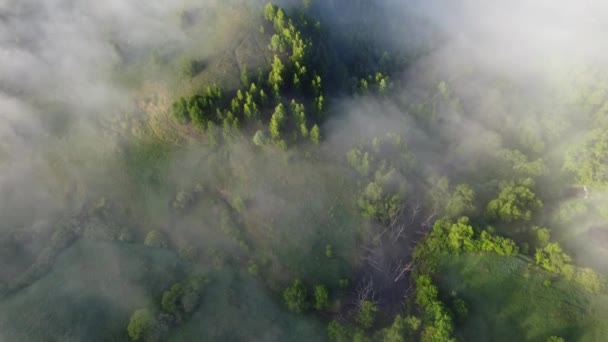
<point x="235" y="307"/>
<point x="89" y="294"/>
<point x="508" y="300"/>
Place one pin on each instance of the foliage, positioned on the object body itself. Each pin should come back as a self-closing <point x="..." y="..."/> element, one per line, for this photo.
<point x="367" y="314"/>
<point x="141" y="324"/>
<point x="170" y="299"/>
<point x="275" y="78"/>
<point x="401" y="330"/>
<point x="296" y="297"/>
<point x="277" y="122"/>
<point x="383" y="163"/>
<point x="321" y="297"/>
<point x="189" y="67"/>
<point x="337" y="332"/>
<point x="461" y="202"/>
<point x="260" y="139"/>
<point x="515" y="202"/>
<point x="589" y="159"/>
<point x="315" y="134"/>
<point x="508" y="287"/>
<point x="554" y="259"/>
<point x="437" y="322"/>
<point x="555" y="339"/>
<point x="156" y="239"/>
<point x="588" y="279"/>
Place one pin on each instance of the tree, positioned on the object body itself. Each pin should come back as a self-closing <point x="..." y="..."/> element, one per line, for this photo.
<point x="543" y="236"/>
<point x="244" y="76"/>
<point x="295" y="297"/>
<point x="515" y="202"/>
<point x="460" y="237"/>
<point x="359" y="160"/>
<point x="315" y="134"/>
<point x="156" y="239"/>
<point x="190" y="300"/>
<point x="171" y="298"/>
<point x="279" y="20"/>
<point x="321" y="297"/>
<point x="426" y="291"/>
<point x="367" y="314"/>
<point x="275" y="77"/>
<point x="180" y="110"/>
<point x="299" y="113"/>
<point x="556" y="339"/>
<point x="338" y="332"/>
<point x="277" y="121"/>
<point x="588" y="279"/>
<point x="402" y="329"/>
<point x="141" y="324"/>
<point x="589" y="159"/>
<point x="461" y="202"/>
<point x="260" y="139"/>
<point x="515" y="165"/>
<point x="270" y="11"/>
<point x="459" y="307"/>
<point x="554" y="259"/>
<point x="307" y="3"/>
<point x="189" y="67"/>
<point x="319" y="104"/>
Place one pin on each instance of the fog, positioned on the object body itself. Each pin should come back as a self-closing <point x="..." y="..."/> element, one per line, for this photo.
<point x="69" y="69"/>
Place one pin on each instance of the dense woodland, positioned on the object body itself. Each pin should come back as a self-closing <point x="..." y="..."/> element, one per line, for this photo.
<point x="241" y="199"/>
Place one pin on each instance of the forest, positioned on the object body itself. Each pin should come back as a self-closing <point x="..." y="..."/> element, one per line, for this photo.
<point x="303" y="170"/>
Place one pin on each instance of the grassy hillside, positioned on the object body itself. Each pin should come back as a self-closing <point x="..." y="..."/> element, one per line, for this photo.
<point x="236" y="307"/>
<point x="89" y="294"/>
<point x="508" y="300"/>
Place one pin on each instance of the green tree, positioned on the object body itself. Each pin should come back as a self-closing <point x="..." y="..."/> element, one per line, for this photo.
<point x="543" y="236"/>
<point x="189" y="67"/>
<point x="141" y="324"/>
<point x="461" y="202"/>
<point x="276" y="75"/>
<point x="337" y="332"/>
<point x="401" y="330"/>
<point x="515" y="165"/>
<point x="277" y="121"/>
<point x="588" y="160"/>
<point x="180" y="110"/>
<point x="270" y="11"/>
<point x="556" y="339"/>
<point x="367" y="314"/>
<point x="554" y="259"/>
<point x="260" y="139"/>
<point x="315" y="134"/>
<point x="244" y="76"/>
<point x="460" y="237"/>
<point x="515" y="202"/>
<point x="321" y="297"/>
<point x="295" y="297"/>
<point x="426" y="291"/>
<point x="156" y="238"/>
<point x="171" y="298"/>
<point x="588" y="279"/>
